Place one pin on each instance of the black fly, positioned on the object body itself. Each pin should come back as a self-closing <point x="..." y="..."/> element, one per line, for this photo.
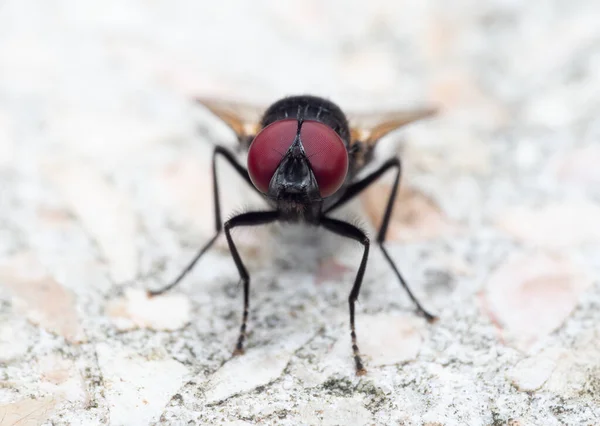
<point x="304" y="157"/>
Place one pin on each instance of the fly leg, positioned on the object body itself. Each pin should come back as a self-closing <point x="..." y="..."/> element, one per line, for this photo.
<point x="350" y="231"/>
<point x="241" y="170"/>
<point x="354" y="190"/>
<point x="245" y="219"/>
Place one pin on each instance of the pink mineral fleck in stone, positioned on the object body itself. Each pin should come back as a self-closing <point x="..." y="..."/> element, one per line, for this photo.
<point x="331" y="270"/>
<point x="28" y="411"/>
<point x="45" y="301"/>
<point x="531" y="295"/>
<point x="580" y="167"/>
<point x="416" y="217"/>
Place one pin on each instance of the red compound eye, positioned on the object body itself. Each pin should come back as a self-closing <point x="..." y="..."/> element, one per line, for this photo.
<point x="324" y="149"/>
<point x="327" y="155"/>
<point x="267" y="151"/>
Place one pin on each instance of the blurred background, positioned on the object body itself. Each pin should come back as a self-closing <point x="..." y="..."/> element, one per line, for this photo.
<point x="108" y="86"/>
<point x="105" y="184"/>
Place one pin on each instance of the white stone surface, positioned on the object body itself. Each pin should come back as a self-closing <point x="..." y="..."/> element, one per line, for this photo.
<point x="138" y="309"/>
<point x="103" y="211"/>
<point x="105" y="192"/>
<point x="385" y="340"/>
<point x="14" y="341"/>
<point x="137" y="388"/>
<point x="555" y="225"/>
<point x="531" y="373"/>
<point x="256" y="368"/>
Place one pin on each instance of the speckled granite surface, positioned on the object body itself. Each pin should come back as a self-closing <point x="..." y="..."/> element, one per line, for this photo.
<point x="105" y="192"/>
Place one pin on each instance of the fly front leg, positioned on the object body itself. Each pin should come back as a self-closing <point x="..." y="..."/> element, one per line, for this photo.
<point x="245" y="219"/>
<point x="350" y="231"/>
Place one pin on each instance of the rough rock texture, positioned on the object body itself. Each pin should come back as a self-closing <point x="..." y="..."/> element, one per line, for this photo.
<point x="105" y="192"/>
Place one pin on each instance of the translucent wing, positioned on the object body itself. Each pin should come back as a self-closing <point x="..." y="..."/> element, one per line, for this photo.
<point x="369" y="128"/>
<point x="366" y="129"/>
<point x="242" y="118"/>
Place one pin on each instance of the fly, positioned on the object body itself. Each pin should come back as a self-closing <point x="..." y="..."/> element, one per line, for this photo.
<point x="304" y="158"/>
